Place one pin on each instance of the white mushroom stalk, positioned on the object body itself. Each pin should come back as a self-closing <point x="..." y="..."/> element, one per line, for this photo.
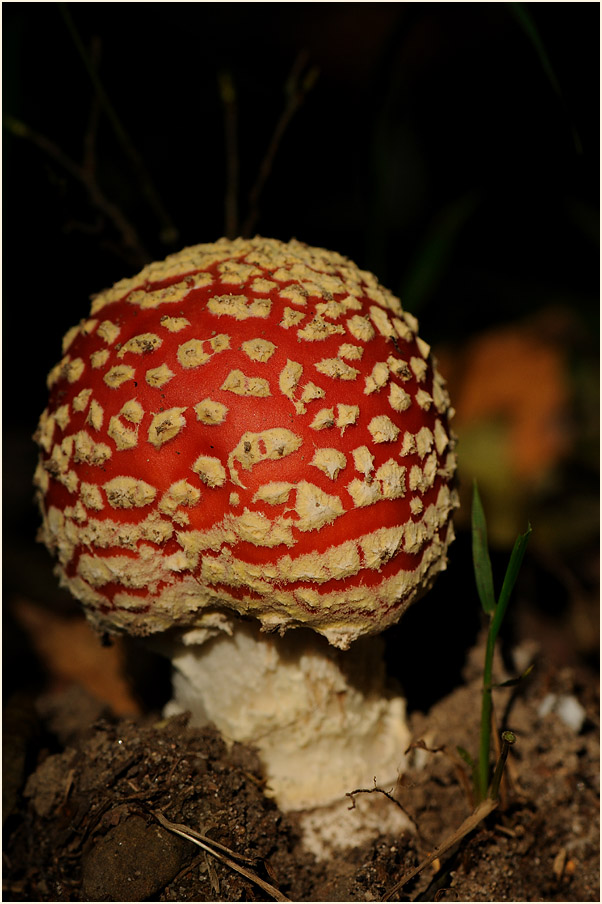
<point x="324" y="721"/>
<point x="254" y="429"/>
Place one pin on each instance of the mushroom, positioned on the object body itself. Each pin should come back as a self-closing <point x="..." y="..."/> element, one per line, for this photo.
<point x="248" y="438"/>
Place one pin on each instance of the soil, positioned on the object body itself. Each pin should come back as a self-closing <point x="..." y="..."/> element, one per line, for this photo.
<point x="83" y="818"/>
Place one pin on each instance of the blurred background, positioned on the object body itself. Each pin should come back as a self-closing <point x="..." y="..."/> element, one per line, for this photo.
<point x="452" y="149"/>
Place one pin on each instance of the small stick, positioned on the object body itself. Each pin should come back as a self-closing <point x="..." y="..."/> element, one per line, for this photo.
<point x="220" y="852"/>
<point x="508" y="739"/>
<point x="482" y="811"/>
<point x="227" y="92"/>
<point x="297" y="90"/>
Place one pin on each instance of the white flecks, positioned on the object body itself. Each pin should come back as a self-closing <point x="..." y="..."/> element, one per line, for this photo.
<point x="210" y="412"/>
<point x="411" y="321"/>
<point x="91" y="496"/>
<point x="416" y="505"/>
<point x="142" y="344"/>
<point x="242" y="385"/>
<point x="377" y="379"/>
<point x="95" y="416"/>
<point x="269" y="445"/>
<point x="408" y="444"/>
<point x="363" y="492"/>
<point x="383" y="429"/>
<point x="423" y="347"/>
<point x="235" y="272"/>
<point x="257" y="528"/>
<point x="239" y="306"/>
<point x="424" y="399"/>
<point x="399" y="399"/>
<point x="74" y="369"/>
<point x="108" y="331"/>
<point x="336" y="369"/>
<point x="123" y="436"/>
<point x="311" y="392"/>
<point x="81" y="400"/>
<point x="419" y="368"/>
<point x="99" y="358"/>
<point x="403" y="330"/>
<point x="62" y="416"/>
<point x="118" y="375"/>
<point x="198" y="351"/>
<point x="127" y="492"/>
<point x="381" y="321"/>
<point x="174" y="324"/>
<point x="210" y="470"/>
<point x="350" y="351"/>
<point x="263" y="286"/>
<point x="133" y="411"/>
<point x="260" y="350"/>
<point x="289" y="377"/>
<point x="414" y="537"/>
<point x="165" y="425"/>
<point x="441" y="437"/>
<point x="363" y="460"/>
<point x="440" y="394"/>
<point x="274" y="493"/>
<point x="424" y="441"/>
<point x="319" y="329"/>
<point x="159" y="376"/>
<point x="69" y="337"/>
<point x="291" y="318"/>
<point x="381" y="546"/>
<point x="295" y="293"/>
<point x="347" y="415"/>
<point x="421" y="479"/>
<point x="45" y="431"/>
<point x="315" y="507"/>
<point x="89" y="451"/>
<point x="360" y="328"/>
<point x="179" y="493"/>
<point x="330" y="461"/>
<point x="399" y="368"/>
<point x="391" y="477"/>
<point x="323" y="419"/>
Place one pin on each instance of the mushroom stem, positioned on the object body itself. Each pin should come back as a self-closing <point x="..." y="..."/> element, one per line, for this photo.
<point x="323" y="720"/>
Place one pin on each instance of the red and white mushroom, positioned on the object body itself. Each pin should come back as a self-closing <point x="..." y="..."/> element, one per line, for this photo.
<point x="246" y="438"/>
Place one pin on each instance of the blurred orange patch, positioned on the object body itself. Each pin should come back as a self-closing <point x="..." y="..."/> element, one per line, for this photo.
<point x="73" y="654"/>
<point x="517" y="375"/>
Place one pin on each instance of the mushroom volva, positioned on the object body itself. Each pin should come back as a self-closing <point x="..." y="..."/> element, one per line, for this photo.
<point x="247" y="452"/>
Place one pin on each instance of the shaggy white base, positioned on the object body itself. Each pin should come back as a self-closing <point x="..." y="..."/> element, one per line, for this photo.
<point x="322" y="719"/>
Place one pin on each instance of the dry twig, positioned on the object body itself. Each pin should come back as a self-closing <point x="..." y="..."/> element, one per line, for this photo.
<point x="477" y="816"/>
<point x="220" y="852"/>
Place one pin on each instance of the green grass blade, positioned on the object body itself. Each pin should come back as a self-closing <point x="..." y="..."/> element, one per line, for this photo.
<point x="516" y="560"/>
<point x="480" y="555"/>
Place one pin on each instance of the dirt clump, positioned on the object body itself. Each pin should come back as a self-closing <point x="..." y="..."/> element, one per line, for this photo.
<point x="90" y="821"/>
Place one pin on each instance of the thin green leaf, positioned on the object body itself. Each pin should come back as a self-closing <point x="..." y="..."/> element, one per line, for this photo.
<point x="512" y="682"/>
<point x="465" y="756"/>
<point x="480" y="554"/>
<point x="516" y="559"/>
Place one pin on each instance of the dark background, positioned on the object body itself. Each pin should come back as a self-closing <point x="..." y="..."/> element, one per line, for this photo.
<point x="453" y="149"/>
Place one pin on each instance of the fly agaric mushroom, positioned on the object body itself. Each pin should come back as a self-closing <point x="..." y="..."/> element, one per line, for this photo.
<point x="246" y="438"/>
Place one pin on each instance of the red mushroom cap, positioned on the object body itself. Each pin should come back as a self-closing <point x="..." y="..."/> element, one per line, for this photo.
<point x="251" y="426"/>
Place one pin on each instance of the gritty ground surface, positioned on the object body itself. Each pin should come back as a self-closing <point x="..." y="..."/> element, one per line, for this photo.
<point x="84" y="826"/>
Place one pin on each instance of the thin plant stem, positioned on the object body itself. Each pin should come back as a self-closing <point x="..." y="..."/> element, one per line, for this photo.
<point x="227" y="91"/>
<point x="168" y="233"/>
<point x="486" y="711"/>
<point x="297" y="90"/>
<point x="129" y="236"/>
